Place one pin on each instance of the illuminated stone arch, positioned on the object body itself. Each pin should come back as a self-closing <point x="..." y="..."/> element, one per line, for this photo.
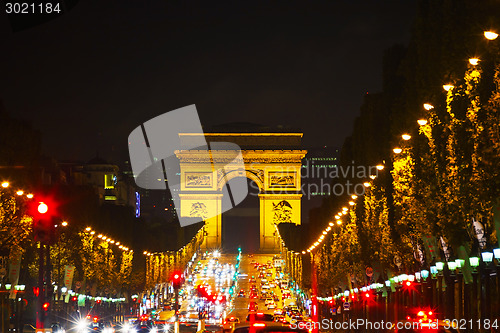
<point x="255" y="175"/>
<point x="275" y="171"/>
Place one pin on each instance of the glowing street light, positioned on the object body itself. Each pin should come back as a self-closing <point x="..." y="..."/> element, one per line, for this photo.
<point x="380" y="167"/>
<point x="20" y="192"/>
<point x="422" y="122"/>
<point x="330" y="224"/>
<point x="64" y="223"/>
<point x="473" y="61"/>
<point x="366" y="184"/>
<point x="397" y="150"/>
<point x="428" y="106"/>
<point x="352" y="203"/>
<point x="29" y="196"/>
<point x="490" y="35"/>
<point x="5" y="184"/>
<point x="339" y="222"/>
<point x="354" y="196"/>
<point x="372" y="177"/>
<point x="447" y="87"/>
<point x="303" y="252"/>
<point x="406" y="137"/>
<point x="88" y="229"/>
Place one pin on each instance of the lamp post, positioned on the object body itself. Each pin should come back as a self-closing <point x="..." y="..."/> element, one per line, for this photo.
<point x="487" y="260"/>
<point x="440" y="267"/>
<point x="496" y="304"/>
<point x="474" y="263"/>
<point x="460" y="309"/>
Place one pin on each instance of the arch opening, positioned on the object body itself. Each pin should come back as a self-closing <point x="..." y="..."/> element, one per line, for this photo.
<point x="241" y="225"/>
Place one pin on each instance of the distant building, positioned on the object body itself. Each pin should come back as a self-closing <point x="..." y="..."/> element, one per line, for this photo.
<point x="318" y="166"/>
<point x="109" y="184"/>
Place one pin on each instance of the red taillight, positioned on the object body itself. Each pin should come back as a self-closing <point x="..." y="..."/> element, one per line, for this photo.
<point x="259" y="325"/>
<point x="95" y="319"/>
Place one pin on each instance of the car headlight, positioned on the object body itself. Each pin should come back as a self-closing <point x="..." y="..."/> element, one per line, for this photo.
<point x="81" y="325"/>
<point x="153" y="330"/>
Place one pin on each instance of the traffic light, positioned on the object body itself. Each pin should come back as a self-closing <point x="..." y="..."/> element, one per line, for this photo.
<point x="177" y="280"/>
<point x="44" y="223"/>
<point x="74" y="298"/>
<point x="46" y="306"/>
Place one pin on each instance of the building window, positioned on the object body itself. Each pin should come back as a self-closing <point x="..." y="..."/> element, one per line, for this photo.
<point x="109" y="181"/>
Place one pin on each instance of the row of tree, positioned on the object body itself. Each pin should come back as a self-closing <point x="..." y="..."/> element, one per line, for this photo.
<point x="447" y="175"/>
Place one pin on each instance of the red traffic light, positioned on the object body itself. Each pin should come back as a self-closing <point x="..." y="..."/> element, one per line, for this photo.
<point x="177" y="279"/>
<point x="74" y="298"/>
<point x="46" y="306"/>
<point x="42" y="208"/>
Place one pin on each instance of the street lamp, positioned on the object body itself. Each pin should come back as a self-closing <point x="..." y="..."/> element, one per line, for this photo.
<point x="452" y="265"/>
<point x="428" y="106"/>
<point x="473" y="61"/>
<point x="496" y="253"/>
<point x="425" y="274"/>
<point x="379" y="167"/>
<point x="5" y="184"/>
<point x="397" y="150"/>
<point x="474" y="262"/>
<point x="487" y="257"/>
<point x="20" y="192"/>
<point x="440" y="266"/>
<point x="447" y="87"/>
<point x="422" y="122"/>
<point x="490" y="35"/>
<point x="406" y="137"/>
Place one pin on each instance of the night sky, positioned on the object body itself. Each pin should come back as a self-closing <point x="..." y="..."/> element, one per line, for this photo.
<point x="89" y="77"/>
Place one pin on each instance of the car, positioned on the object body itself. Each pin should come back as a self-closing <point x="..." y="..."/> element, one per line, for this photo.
<point x="268" y="300"/>
<point x="252" y="306"/>
<point x="271" y="306"/>
<point x="241" y="293"/>
<point x="262" y="327"/>
<point x="229" y="323"/>
<point x="57" y="328"/>
<point x="259" y="316"/>
<point x="413" y="326"/>
<point x="143" y="326"/>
